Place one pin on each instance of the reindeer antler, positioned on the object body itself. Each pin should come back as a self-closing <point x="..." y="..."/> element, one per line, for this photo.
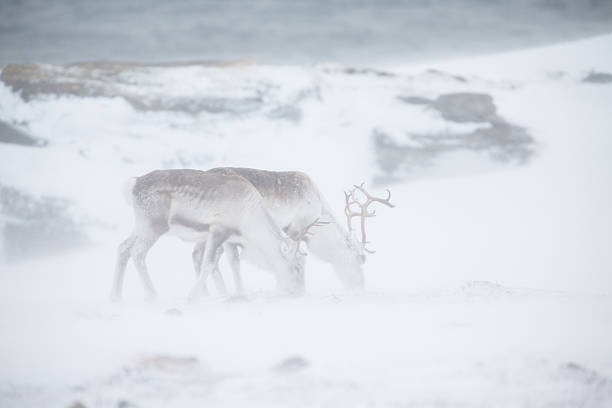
<point x="351" y="199"/>
<point x="302" y="237"/>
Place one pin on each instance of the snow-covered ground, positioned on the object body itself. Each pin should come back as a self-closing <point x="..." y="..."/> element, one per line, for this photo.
<point x="492" y="281"/>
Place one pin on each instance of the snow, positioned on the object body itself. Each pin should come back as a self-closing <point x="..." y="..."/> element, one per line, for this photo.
<point x="491" y="284"/>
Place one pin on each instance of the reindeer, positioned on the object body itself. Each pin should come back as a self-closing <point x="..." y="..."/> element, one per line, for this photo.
<point x="297" y="206"/>
<point x="206" y="207"/>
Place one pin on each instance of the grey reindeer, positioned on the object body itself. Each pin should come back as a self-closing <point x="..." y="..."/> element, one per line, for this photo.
<point x="297" y="206"/>
<point x="211" y="207"/>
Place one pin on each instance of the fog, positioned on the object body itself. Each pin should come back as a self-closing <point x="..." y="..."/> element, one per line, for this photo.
<point x="488" y="282"/>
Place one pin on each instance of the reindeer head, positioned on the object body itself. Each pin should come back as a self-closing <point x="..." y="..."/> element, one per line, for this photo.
<point x="330" y="242"/>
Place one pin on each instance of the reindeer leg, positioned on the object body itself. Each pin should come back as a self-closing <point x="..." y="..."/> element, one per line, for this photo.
<point x="235" y="265"/>
<point x="196" y="256"/>
<point x="215" y="239"/>
<point x="123" y="256"/>
<point x="139" y="250"/>
<point x="216" y="274"/>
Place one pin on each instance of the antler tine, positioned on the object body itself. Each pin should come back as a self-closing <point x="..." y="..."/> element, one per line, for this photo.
<point x="364" y="213"/>
<point x="347" y="196"/>
<point x="388" y="199"/>
<point x="301" y="237"/>
<point x="350" y="200"/>
<point x="370" y="198"/>
<point x="315" y="223"/>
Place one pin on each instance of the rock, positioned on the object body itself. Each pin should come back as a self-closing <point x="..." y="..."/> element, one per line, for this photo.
<point x="466" y="107"/>
<point x="500" y="141"/>
<point x="415" y="100"/>
<point x="598" y="78"/>
<point x="291" y="365"/>
<point x="12" y="135"/>
<point x="124" y="404"/>
<point x="116" y="80"/>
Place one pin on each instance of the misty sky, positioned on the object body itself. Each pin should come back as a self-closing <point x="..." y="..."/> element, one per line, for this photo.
<point x="276" y="31"/>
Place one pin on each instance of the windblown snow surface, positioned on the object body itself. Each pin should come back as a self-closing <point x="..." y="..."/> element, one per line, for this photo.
<point x="491" y="285"/>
